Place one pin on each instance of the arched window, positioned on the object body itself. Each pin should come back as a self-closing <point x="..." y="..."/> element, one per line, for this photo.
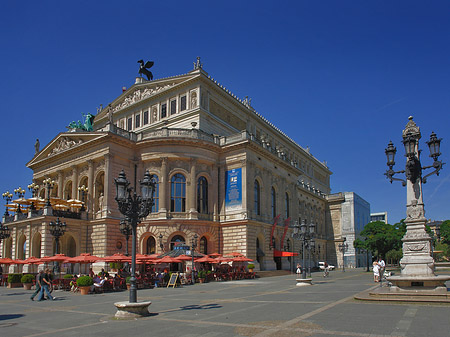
<point x="176" y="240"/>
<point x="202" y="195"/>
<point x="178" y="193"/>
<point x="286" y="201"/>
<point x="150" y="246"/>
<point x="257" y="197"/>
<point x="203" y="245"/>
<point x="273" y="202"/>
<point x="155" y="207"/>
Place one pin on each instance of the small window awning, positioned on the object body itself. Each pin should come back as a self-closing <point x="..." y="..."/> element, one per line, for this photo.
<point x="279" y="253"/>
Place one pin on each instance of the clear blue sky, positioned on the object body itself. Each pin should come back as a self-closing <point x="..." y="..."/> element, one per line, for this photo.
<point x="341" y="77"/>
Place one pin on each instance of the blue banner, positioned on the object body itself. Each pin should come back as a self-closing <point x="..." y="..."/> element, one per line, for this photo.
<point x="233" y="190"/>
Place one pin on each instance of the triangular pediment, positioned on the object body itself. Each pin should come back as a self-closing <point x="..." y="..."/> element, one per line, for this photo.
<point x="64" y="142"/>
<point x="142" y="91"/>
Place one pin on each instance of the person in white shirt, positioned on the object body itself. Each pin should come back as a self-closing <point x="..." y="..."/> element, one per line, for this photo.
<point x="382" y="266"/>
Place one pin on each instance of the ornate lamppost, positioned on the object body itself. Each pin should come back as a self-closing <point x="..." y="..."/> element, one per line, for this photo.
<point x="57" y="229"/>
<point x="311" y="245"/>
<point x="193" y="246"/>
<point x="20" y="192"/>
<point x="417" y="264"/>
<point x="343" y="248"/>
<point x="287" y="248"/>
<point x="49" y="183"/>
<point x="83" y="190"/>
<point x="134" y="208"/>
<point x="125" y="229"/>
<point x="33" y="188"/>
<point x="304" y="233"/>
<point x="8" y="197"/>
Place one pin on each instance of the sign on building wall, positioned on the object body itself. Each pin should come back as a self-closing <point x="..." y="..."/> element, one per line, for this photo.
<point x="233" y="190"/>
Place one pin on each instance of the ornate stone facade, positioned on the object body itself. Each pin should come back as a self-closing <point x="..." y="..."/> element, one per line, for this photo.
<point x="223" y="172"/>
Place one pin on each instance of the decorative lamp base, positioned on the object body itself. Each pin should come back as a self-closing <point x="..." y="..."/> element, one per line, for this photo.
<point x="303" y="282"/>
<point x="127" y="310"/>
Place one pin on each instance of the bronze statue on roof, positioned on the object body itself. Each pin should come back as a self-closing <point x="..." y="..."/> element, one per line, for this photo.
<point x="143" y="69"/>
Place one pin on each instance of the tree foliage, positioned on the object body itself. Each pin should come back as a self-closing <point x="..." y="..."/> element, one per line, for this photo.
<point x="445" y="232"/>
<point x="379" y="237"/>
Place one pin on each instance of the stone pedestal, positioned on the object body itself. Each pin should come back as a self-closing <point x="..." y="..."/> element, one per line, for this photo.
<point x="129" y="310"/>
<point x="303" y="282"/>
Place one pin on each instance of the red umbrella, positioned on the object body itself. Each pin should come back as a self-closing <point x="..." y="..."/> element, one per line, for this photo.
<point x="215" y="255"/>
<point x="184" y="257"/>
<point x="235" y="254"/>
<point x="18" y="261"/>
<point x="207" y="260"/>
<point x="6" y="260"/>
<point x="223" y="259"/>
<point x="168" y="259"/>
<point x="57" y="258"/>
<point x="32" y="260"/>
<point x="83" y="258"/>
<point x="241" y="259"/>
<point x="118" y="257"/>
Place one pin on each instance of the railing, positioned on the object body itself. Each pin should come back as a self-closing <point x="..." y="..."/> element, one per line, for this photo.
<point x="67" y="214"/>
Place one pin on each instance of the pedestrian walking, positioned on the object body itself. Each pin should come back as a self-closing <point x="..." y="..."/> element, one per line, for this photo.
<point x="382" y="267"/>
<point x="38" y="284"/>
<point x="46" y="283"/>
<point x="299" y="269"/>
<point x="376" y="271"/>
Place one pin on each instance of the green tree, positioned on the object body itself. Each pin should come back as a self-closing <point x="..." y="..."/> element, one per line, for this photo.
<point x="379" y="237"/>
<point x="445" y="232"/>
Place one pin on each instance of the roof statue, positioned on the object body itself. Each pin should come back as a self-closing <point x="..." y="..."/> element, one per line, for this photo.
<point x="86" y="126"/>
<point x="198" y="64"/>
<point x="36" y="146"/>
<point x="143" y="69"/>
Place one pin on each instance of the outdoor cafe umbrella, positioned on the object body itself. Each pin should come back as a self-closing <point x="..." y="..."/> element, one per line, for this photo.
<point x="235" y="254"/>
<point x="168" y="259"/>
<point x="118" y="257"/>
<point x="32" y="260"/>
<point x="184" y="257"/>
<point x="84" y="258"/>
<point x="241" y="259"/>
<point x="207" y="259"/>
<point x="214" y="255"/>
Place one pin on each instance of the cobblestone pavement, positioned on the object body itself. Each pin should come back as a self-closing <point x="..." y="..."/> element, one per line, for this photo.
<point x="269" y="306"/>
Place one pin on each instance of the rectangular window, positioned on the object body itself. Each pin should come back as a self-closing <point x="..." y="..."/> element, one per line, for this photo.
<point x="173" y="107"/>
<point x="130" y="124"/>
<point x="137" y="122"/>
<point x="163" y="110"/>
<point x="183" y="103"/>
<point x="146" y="117"/>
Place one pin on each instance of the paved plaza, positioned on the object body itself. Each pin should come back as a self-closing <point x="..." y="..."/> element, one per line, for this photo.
<point x="268" y="306"/>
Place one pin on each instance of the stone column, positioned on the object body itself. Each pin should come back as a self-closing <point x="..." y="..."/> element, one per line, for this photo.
<point x="214" y="188"/>
<point x="74" y="182"/>
<point x="191" y="202"/>
<point x="90" y="195"/>
<point x="60" y="184"/>
<point x="106" y="189"/>
<point x="163" y="189"/>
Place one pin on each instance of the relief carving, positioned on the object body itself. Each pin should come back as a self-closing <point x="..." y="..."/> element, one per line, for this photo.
<point x="63" y="144"/>
<point x="139" y="95"/>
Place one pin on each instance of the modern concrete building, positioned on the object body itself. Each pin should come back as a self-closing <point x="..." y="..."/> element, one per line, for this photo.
<point x="380" y="216"/>
<point x="348" y="213"/>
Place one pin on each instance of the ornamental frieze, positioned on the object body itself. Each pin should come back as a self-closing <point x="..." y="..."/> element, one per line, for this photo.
<point x="63" y="144"/>
<point x="139" y="95"/>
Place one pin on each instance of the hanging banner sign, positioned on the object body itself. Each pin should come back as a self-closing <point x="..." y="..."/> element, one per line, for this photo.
<point x="233" y="189"/>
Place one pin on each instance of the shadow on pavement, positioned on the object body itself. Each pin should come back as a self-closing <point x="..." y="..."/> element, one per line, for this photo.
<point x="12" y="316"/>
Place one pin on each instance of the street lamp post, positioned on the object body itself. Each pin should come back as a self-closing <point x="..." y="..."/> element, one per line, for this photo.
<point x="20" y="192"/>
<point x="343" y="248"/>
<point x="161" y="244"/>
<point x="33" y="188"/>
<point x="49" y="184"/>
<point x="134" y="208"/>
<point x="287" y="248"/>
<point x="8" y="197"/>
<point x="125" y="229"/>
<point x="57" y="229"/>
<point x="83" y="190"/>
<point x="193" y="246"/>
<point x="310" y="245"/>
<point x="417" y="262"/>
<point x="306" y="235"/>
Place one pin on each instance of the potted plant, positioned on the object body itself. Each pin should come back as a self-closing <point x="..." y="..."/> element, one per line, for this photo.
<point x="68" y="276"/>
<point x="202" y="276"/>
<point x="85" y="283"/>
<point x="14" y="280"/>
<point x="27" y="280"/>
<point x="128" y="282"/>
<point x="250" y="267"/>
